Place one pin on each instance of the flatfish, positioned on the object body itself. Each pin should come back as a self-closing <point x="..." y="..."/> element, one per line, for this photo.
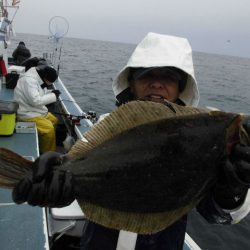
<point x="145" y="165"/>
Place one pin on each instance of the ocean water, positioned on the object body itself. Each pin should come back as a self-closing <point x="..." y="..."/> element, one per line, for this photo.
<point x="87" y="68"/>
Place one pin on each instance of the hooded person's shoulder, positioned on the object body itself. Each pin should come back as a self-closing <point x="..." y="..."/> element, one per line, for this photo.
<point x="22" y="48"/>
<point x="31" y="75"/>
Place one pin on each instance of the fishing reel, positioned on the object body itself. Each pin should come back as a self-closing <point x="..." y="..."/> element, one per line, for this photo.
<point x="76" y="119"/>
<point x="91" y="115"/>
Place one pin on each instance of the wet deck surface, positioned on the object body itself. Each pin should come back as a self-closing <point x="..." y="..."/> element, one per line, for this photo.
<point x="21" y="226"/>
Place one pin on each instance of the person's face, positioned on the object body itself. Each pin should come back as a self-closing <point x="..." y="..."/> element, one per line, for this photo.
<point x="47" y="82"/>
<point x="157" y="86"/>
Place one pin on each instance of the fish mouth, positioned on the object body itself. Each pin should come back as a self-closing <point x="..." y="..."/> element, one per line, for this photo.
<point x="159" y="99"/>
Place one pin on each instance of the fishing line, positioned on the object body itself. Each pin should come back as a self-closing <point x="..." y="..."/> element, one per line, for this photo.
<point x="66" y="100"/>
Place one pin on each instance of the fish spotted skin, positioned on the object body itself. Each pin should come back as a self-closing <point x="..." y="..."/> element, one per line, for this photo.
<point x="145" y="165"/>
<point x="162" y="160"/>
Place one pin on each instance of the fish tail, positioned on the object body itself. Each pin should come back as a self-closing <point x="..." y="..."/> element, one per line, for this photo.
<point x="13" y="168"/>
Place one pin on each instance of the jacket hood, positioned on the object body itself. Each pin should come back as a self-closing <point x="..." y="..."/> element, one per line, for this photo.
<point x="47" y="73"/>
<point x="157" y="50"/>
<point x="32" y="73"/>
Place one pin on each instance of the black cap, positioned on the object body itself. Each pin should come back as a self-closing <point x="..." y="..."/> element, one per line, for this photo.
<point x="47" y="73"/>
<point x="21" y="43"/>
<point x="175" y="73"/>
<point x="138" y="73"/>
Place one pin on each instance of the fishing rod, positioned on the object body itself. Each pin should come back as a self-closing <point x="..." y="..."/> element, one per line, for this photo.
<point x="58" y="28"/>
<point x="91" y="115"/>
<point x="59" y="60"/>
<point x="66" y="100"/>
<point x="76" y="119"/>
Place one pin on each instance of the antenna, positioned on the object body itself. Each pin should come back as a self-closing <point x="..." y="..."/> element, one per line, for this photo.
<point x="58" y="28"/>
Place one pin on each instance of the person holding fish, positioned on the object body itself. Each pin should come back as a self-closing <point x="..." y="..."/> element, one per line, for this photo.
<point x="32" y="95"/>
<point x="161" y="71"/>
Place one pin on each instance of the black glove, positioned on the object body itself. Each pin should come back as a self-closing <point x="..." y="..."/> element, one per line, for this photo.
<point x="240" y="160"/>
<point x="246" y="124"/>
<point x="48" y="186"/>
<point x="56" y="92"/>
<point x="44" y="85"/>
<point x="234" y="179"/>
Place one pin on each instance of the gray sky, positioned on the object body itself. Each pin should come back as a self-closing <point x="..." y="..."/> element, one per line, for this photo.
<point x="214" y="26"/>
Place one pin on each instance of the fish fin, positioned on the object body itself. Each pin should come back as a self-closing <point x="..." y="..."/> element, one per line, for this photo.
<point x="141" y="223"/>
<point x="13" y="167"/>
<point x="127" y="116"/>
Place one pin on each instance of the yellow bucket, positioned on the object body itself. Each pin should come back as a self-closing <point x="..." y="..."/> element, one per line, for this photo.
<point x="7" y="117"/>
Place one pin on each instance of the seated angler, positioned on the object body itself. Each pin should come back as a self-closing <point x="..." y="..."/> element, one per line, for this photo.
<point x="32" y="95"/>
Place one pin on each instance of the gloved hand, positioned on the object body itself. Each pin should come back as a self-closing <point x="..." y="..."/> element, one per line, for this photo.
<point x="240" y="161"/>
<point x="56" y="92"/>
<point x="233" y="183"/>
<point x="44" y="85"/>
<point x="48" y="186"/>
<point x="234" y="179"/>
<point x="246" y="124"/>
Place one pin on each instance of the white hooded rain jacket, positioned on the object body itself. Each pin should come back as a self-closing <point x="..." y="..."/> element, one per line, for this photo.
<point x="157" y="50"/>
<point x="31" y="97"/>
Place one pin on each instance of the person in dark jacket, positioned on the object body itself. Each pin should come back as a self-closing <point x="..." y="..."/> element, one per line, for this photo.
<point x="160" y="68"/>
<point x="21" y="53"/>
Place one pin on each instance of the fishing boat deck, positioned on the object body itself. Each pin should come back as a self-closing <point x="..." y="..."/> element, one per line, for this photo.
<point x="22" y="226"/>
<point x="25" y="144"/>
